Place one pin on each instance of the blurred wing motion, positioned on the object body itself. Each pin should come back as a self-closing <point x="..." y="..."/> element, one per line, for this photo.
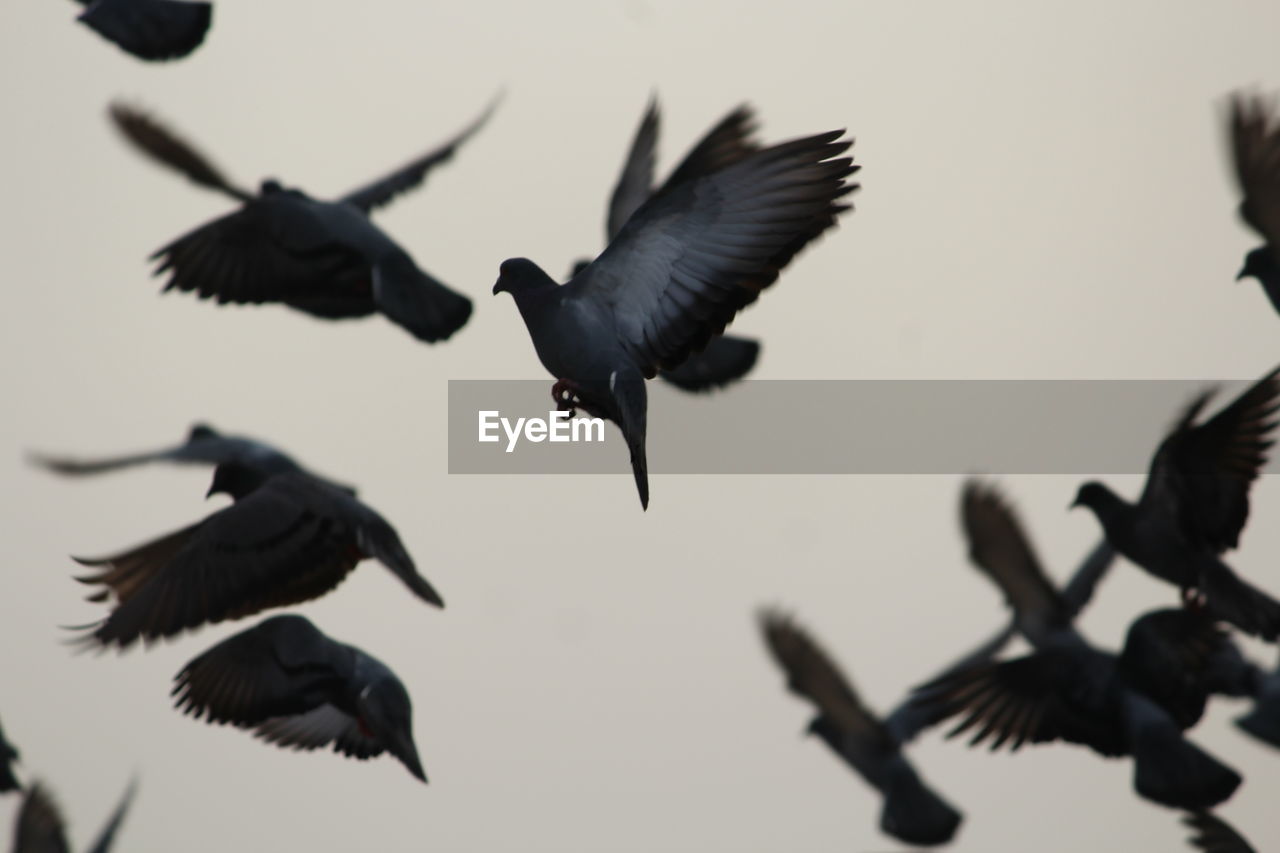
<point x="161" y="144"/>
<point x="410" y="175"/>
<point x="40" y="827"/>
<point x="1214" y="835"/>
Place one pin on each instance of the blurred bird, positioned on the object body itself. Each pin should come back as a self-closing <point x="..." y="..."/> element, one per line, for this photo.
<point x="1214" y="835"/>
<point x="298" y="688"/>
<point x="149" y="29"/>
<point x="726" y="358"/>
<point x="1195" y="504"/>
<point x="325" y="258"/>
<point x="1255" y="146"/>
<point x="204" y="446"/>
<point x="912" y="812"/>
<point x="681" y="267"/>
<point x="8" y="755"/>
<point x="1136" y="703"/>
<point x="286" y="539"/>
<point x="41" y="829"/>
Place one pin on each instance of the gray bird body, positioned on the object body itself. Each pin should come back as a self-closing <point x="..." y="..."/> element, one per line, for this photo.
<point x="679" y="269"/>
<point x="299" y="689"/>
<point x="40" y="827"/>
<point x="150" y="29"/>
<point x="287" y="538"/>
<point x="325" y="258"/>
<point x="1195" y="505"/>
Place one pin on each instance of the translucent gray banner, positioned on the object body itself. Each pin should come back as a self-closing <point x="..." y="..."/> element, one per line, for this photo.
<point x="836" y="427"/>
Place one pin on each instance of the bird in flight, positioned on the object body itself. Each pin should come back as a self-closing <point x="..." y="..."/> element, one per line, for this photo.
<point x="287" y="538"/>
<point x="686" y="261"/>
<point x="1255" y="149"/>
<point x="41" y="828"/>
<point x="325" y="258"/>
<point x="299" y="689"/>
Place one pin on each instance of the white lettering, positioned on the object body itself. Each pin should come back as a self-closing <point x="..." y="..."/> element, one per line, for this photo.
<point x="558" y="427"/>
<point x="512" y="434"/>
<point x="560" y="430"/>
<point x="487" y="424"/>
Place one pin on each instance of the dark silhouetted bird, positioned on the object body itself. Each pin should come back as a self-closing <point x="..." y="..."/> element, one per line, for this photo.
<point x="325" y="258"/>
<point x="1195" y="504"/>
<point x="149" y="29"/>
<point x="298" y="688"/>
<point x="683" y="265"/>
<point x="40" y="827"/>
<point x="912" y="812"/>
<point x="1255" y="145"/>
<point x="1214" y="835"/>
<point x="1136" y="703"/>
<point x="8" y="755"/>
<point x="204" y="446"/>
<point x="1068" y="690"/>
<point x="288" y="538"/>
<point x="726" y="358"/>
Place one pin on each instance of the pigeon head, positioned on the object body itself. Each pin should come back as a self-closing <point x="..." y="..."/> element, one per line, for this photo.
<point x="518" y="276"/>
<point x="200" y="431"/>
<point x="236" y="480"/>
<point x="270" y="186"/>
<point x="384" y="708"/>
<point x="1260" y="265"/>
<point x="578" y="266"/>
<point x="1106" y="504"/>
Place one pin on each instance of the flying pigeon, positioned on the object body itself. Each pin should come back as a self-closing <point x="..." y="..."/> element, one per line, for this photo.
<point x="8" y="755"/>
<point x="325" y="258"/>
<point x="149" y="29"/>
<point x="726" y="358"/>
<point x="1195" y="504"/>
<point x="286" y="539"/>
<point x="912" y="812"/>
<point x="204" y="446"/>
<point x="1074" y="692"/>
<point x="1214" y="835"/>
<point x="1255" y="144"/>
<point x="297" y="688"/>
<point x="681" y="267"/>
<point x="41" y="828"/>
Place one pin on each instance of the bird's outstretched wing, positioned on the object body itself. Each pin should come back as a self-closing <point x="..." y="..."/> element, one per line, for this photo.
<point x="1214" y="835"/>
<point x="635" y="183"/>
<point x="381" y="191"/>
<point x="1201" y="474"/>
<point x="107" y="836"/>
<point x="161" y="144"/>
<point x="150" y="29"/>
<point x="688" y="260"/>
<point x="1255" y="144"/>
<point x="40" y="827"/>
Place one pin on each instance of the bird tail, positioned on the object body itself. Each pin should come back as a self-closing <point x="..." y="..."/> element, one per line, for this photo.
<point x="726" y="359"/>
<point x="151" y="29"/>
<point x="1170" y="770"/>
<point x="1240" y="603"/>
<point x="430" y="311"/>
<point x="629" y="397"/>
<point x="1263" y="722"/>
<point x="913" y="812"/>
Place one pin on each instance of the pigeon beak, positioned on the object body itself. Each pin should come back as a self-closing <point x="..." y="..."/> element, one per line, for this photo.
<point x="497" y="287"/>
<point x="1242" y="274"/>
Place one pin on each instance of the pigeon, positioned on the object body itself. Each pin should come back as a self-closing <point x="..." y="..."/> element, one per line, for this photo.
<point x="325" y="258"/>
<point x="287" y="538"/>
<point x="1195" y="504"/>
<point x="8" y="755"/>
<point x="41" y="828"/>
<point x="149" y="29"/>
<point x="1214" y="835"/>
<point x="680" y="268"/>
<point x="912" y="812"/>
<point x="1255" y="144"/>
<point x="726" y="358"/>
<point x="297" y="688"/>
<point x="1071" y="691"/>
<point x="204" y="446"/>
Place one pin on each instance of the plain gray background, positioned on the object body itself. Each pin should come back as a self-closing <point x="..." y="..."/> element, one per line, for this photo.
<point x="1045" y="196"/>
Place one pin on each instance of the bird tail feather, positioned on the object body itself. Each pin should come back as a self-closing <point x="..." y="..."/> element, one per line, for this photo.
<point x="1240" y="603"/>
<point x="914" y="813"/>
<point x="1170" y="770"/>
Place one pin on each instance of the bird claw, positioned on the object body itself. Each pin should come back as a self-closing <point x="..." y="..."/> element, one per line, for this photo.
<point x="1193" y="599"/>
<point x="566" y="397"/>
